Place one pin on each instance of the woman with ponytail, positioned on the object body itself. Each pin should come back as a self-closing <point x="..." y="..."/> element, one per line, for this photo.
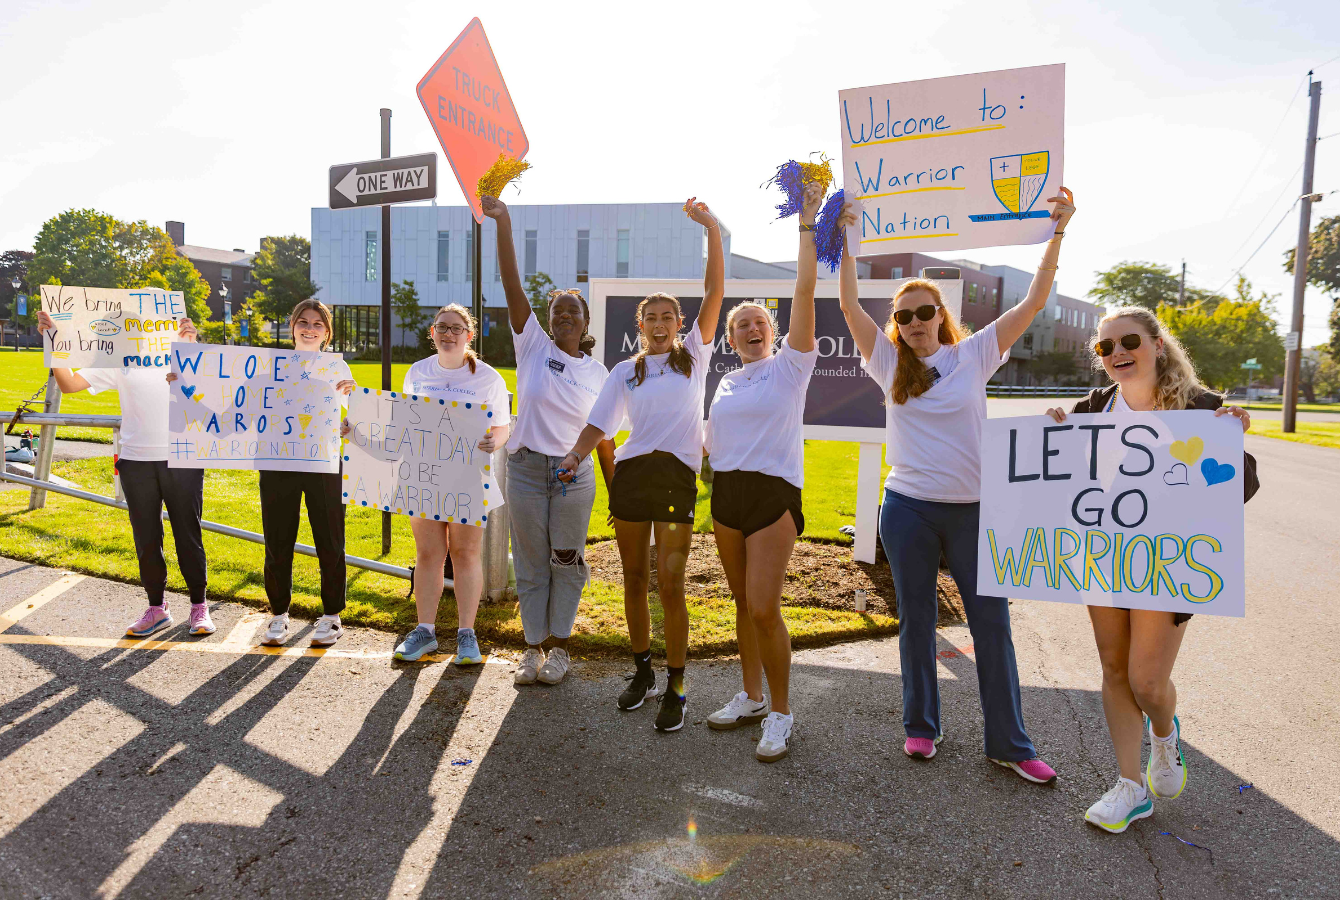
<point x="557" y="382"/>
<point x="661" y="391"/>
<point x="934" y="379"/>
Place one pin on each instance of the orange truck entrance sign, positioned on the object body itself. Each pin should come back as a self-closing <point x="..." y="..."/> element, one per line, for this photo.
<point x="467" y="101"/>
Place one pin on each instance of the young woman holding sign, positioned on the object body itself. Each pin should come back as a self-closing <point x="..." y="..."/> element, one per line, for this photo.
<point x="455" y="373"/>
<point x="756" y="444"/>
<point x="1150" y="371"/>
<point x="557" y="382"/>
<point x="661" y="391"/>
<point x="149" y="485"/>
<point x="935" y="381"/>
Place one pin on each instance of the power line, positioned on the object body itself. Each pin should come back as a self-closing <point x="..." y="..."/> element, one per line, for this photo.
<point x="1266" y="148"/>
<point x="1258" y="249"/>
<point x="1283" y="191"/>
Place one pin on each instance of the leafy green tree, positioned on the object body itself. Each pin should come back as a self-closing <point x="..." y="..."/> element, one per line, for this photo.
<point x="1136" y="284"/>
<point x="413" y="318"/>
<point x="538" y="287"/>
<point x="1326" y="380"/>
<point x="1053" y="364"/>
<point x="1323" y="270"/>
<point x="1221" y="339"/>
<point x="79" y="247"/>
<point x="283" y="267"/>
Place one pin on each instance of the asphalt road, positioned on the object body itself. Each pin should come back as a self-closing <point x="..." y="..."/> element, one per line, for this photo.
<point x="207" y="768"/>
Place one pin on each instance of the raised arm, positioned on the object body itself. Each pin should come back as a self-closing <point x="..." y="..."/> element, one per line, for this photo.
<point x="800" y="330"/>
<point x="864" y="329"/>
<point x="1014" y="322"/>
<point x="69" y="381"/>
<point x="714" y="279"/>
<point x="518" y="304"/>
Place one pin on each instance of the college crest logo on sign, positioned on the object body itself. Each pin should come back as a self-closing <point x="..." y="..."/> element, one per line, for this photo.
<point x="1017" y="182"/>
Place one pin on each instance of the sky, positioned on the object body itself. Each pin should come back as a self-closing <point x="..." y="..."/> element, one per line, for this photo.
<point x="1185" y="122"/>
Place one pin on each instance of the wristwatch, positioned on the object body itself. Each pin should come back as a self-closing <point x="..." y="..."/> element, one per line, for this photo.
<point x="804" y="227"/>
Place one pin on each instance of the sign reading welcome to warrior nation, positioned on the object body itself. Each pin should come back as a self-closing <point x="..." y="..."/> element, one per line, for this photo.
<point x="1136" y="510"/>
<point x="376" y="182"/>
<point x="470" y="110"/>
<point x="418" y="456"/>
<point x="254" y="408"/>
<point x="108" y="328"/>
<point x="952" y="163"/>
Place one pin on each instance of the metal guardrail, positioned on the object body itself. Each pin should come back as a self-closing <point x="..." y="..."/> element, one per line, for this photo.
<point x="1019" y="390"/>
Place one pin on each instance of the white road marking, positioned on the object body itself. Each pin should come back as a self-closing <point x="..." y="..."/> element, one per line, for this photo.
<point x="721" y="795"/>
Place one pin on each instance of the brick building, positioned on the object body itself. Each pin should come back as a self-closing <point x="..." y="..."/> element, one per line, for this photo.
<point x="218" y="268"/>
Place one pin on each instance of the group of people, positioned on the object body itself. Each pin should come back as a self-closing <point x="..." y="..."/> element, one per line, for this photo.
<point x="569" y="409"/>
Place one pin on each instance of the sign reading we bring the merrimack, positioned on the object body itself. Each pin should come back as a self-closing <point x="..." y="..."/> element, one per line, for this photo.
<point x="110" y="328"/>
<point x="1135" y="510"/>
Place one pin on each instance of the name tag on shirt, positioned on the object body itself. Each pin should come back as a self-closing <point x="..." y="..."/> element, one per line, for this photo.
<point x="556" y="366"/>
<point x="935" y="375"/>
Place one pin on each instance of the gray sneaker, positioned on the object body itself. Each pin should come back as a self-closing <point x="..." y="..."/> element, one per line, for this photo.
<point x="467" y="648"/>
<point x="529" y="667"/>
<point x="416" y="644"/>
<point x="556" y="666"/>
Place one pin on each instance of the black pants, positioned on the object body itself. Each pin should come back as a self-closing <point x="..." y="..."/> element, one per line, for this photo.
<point x="149" y="486"/>
<point x="281" y="496"/>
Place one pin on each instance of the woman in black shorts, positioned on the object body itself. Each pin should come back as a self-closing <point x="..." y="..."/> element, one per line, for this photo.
<point x="661" y="391"/>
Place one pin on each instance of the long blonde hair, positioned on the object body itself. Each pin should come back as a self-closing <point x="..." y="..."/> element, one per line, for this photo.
<point x="911" y="378"/>
<point x="680" y="360"/>
<point x="321" y="309"/>
<point x="1176" y="382"/>
<point x="739" y="309"/>
<point x="470" y="326"/>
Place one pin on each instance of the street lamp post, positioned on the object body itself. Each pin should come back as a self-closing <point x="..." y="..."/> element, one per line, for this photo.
<point x="227" y="308"/>
<point x="13" y="311"/>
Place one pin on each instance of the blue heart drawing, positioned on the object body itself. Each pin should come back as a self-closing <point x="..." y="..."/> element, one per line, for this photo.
<point x="1215" y="471"/>
<point x="188" y="389"/>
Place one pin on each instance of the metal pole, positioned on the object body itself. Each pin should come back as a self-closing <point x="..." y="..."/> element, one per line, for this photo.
<point x="1181" y="287"/>
<point x="386" y="303"/>
<point x="1295" y="352"/>
<point x="477" y="304"/>
<point x="46" y="443"/>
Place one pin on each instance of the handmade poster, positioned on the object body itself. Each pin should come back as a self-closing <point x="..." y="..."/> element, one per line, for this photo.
<point x="254" y="408"/>
<point x="953" y="163"/>
<point x="107" y="328"/>
<point x="419" y="456"/>
<point x="1137" y="510"/>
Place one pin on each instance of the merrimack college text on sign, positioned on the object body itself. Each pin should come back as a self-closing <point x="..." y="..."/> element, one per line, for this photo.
<point x="107" y="328"/>
<point x="1136" y="510"/>
<point x="951" y="163"/>
<point x="418" y="456"/>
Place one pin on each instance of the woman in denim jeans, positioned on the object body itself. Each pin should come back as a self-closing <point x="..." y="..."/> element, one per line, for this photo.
<point x="557" y="383"/>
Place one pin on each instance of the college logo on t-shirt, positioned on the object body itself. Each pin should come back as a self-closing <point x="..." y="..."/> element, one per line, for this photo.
<point x="556" y="366"/>
<point x="935" y="375"/>
<point x="631" y="382"/>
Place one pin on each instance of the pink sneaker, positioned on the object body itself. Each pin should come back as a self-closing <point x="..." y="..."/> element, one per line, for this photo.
<point x="200" y="620"/>
<point x="921" y="748"/>
<point x="1034" y="770"/>
<point x="154" y="619"/>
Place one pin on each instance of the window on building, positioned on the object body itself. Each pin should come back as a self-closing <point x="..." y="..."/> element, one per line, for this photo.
<point x="1056" y="315"/>
<point x="1028" y="340"/>
<point x="443" y="255"/>
<point x="621" y="255"/>
<point x="246" y="276"/>
<point x="1056" y="343"/>
<point x="470" y="255"/>
<point x="995" y="295"/>
<point x="972" y="293"/>
<point x="583" y="255"/>
<point x="225" y="273"/>
<point x="370" y="256"/>
<point x="897" y="271"/>
<point x="532" y="251"/>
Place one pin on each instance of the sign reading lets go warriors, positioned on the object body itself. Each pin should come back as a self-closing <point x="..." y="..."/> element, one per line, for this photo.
<point x="108" y="328"/>
<point x="1135" y="510"/>
<point x="418" y="456"/>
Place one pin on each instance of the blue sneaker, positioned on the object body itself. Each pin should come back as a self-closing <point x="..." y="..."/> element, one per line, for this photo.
<point x="416" y="644"/>
<point x="467" y="648"/>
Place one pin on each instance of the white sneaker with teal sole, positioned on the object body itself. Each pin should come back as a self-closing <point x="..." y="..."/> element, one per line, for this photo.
<point x="417" y="643"/>
<point x="1166" y="770"/>
<point x="1121" y="806"/>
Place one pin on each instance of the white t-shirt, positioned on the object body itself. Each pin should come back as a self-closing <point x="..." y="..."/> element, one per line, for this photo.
<point x="144" y="409"/>
<point x="555" y="392"/>
<point x="933" y="442"/>
<point x="666" y="409"/>
<point x="484" y="385"/>
<point x="756" y="423"/>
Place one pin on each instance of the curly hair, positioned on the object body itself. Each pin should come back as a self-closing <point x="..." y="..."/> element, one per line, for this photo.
<point x="680" y="360"/>
<point x="586" y="343"/>
<point x="1176" y="381"/>
<point x="911" y="378"/>
<point x="470" y="326"/>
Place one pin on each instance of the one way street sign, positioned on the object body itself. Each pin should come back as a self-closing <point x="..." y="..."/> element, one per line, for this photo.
<point x="377" y="182"/>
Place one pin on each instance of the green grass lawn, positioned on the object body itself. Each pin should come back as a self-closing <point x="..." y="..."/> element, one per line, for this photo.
<point x="1320" y="434"/>
<point x="1302" y="407"/>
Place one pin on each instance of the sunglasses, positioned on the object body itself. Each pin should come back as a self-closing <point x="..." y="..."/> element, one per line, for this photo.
<point x="1107" y="345"/>
<point x="924" y="313"/>
<point x="444" y="328"/>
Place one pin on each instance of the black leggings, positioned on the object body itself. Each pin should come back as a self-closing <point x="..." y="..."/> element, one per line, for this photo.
<point x="149" y="486"/>
<point x="281" y="497"/>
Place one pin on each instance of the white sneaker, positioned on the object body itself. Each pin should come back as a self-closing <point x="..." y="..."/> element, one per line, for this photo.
<point x="1166" y="770"/>
<point x="276" y="631"/>
<point x="555" y="666"/>
<point x="1121" y="806"/>
<point x="328" y="631"/>
<point x="739" y="711"/>
<point x="531" y="661"/>
<point x="776" y="732"/>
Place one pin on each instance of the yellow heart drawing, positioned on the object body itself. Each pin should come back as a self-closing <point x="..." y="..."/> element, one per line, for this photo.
<point x="1187" y="451"/>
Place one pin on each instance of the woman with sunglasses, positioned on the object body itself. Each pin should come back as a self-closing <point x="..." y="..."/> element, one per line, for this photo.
<point x="934" y="380"/>
<point x="661" y="391"/>
<point x="454" y="373"/>
<point x="1150" y="371"/>
<point x="557" y="382"/>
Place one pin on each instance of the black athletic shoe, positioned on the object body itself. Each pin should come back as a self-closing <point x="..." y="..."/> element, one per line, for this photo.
<point x="671" y="716"/>
<point x="639" y="689"/>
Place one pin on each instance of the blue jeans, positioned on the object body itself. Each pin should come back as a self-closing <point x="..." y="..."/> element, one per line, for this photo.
<point x="914" y="532"/>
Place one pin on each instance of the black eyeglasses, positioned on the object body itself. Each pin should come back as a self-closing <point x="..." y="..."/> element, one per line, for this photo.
<point x="924" y="313"/>
<point x="1107" y="345"/>
<point x="444" y="328"/>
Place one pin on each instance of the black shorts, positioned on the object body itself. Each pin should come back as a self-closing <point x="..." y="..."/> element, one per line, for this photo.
<point x="654" y="487"/>
<point x="751" y="501"/>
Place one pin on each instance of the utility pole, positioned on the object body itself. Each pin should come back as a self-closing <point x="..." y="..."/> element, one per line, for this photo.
<point x="1181" y="288"/>
<point x="386" y="303"/>
<point x="477" y="298"/>
<point x="1293" y="344"/>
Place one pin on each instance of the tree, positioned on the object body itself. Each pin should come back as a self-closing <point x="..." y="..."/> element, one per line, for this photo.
<point x="1327" y="378"/>
<point x="1323" y="270"/>
<point x="1221" y="339"/>
<point x="284" y="267"/>
<point x="12" y="263"/>
<point x="78" y="247"/>
<point x="1054" y="364"/>
<point x="1309" y="363"/>
<point x="1136" y="284"/>
<point x="538" y="287"/>
<point x="405" y="303"/>
<point x="181" y="275"/>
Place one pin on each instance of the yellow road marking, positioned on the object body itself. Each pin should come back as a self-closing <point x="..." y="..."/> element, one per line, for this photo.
<point x="39" y="600"/>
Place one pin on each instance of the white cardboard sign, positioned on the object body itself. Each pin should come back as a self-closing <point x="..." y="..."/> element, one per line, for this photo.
<point x="418" y="456"/>
<point x="1136" y="510"/>
<point x="953" y="163"/>
<point x="108" y="328"/>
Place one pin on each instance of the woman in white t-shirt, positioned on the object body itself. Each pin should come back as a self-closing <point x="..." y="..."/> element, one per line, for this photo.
<point x="661" y="391"/>
<point x="756" y="445"/>
<point x="934" y="382"/>
<point x="454" y="373"/>
<point x="557" y="382"/>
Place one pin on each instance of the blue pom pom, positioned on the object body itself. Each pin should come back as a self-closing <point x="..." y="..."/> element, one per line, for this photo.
<point x="788" y="178"/>
<point x="828" y="234"/>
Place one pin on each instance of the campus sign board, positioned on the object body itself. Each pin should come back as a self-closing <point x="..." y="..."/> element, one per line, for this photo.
<point x="110" y="328"/>
<point x="376" y="182"/>
<point x="953" y="163"/>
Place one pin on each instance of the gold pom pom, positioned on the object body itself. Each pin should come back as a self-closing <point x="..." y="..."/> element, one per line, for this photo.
<point x="500" y="175"/>
<point x="820" y="173"/>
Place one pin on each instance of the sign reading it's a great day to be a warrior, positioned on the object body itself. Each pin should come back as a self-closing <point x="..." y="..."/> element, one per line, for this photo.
<point x="1136" y="510"/>
<point x="106" y="328"/>
<point x="953" y="163"/>
<point x="254" y="408"/>
<point x="418" y="456"/>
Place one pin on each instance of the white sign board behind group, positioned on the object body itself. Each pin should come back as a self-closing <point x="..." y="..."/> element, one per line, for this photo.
<point x="107" y="328"/>
<point x="951" y="163"/>
<point x="1136" y="510"/>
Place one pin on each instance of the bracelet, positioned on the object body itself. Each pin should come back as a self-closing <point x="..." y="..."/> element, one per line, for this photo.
<point x="804" y="227"/>
<point x="1058" y="234"/>
<point x="1048" y="268"/>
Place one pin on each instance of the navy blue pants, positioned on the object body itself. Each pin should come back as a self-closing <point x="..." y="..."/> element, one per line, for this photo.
<point x="914" y="532"/>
